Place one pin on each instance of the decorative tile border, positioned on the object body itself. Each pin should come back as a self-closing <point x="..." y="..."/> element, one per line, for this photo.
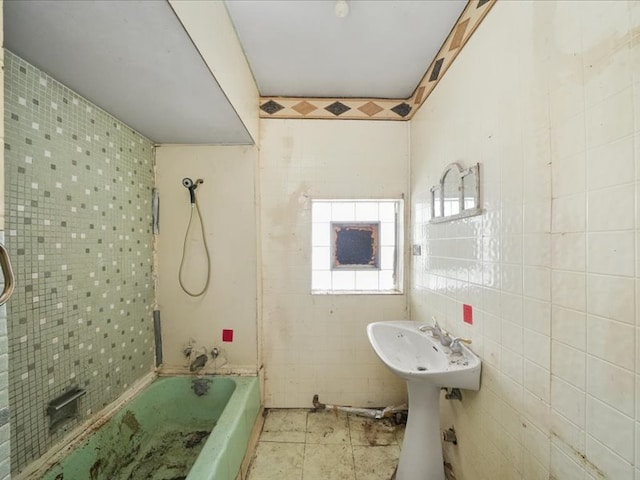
<point x="381" y="108"/>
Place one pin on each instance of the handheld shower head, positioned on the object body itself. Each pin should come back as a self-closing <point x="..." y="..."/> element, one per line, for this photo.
<point x="191" y="186"/>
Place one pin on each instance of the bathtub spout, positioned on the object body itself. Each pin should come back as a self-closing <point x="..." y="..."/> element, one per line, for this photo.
<point x="198" y="363"/>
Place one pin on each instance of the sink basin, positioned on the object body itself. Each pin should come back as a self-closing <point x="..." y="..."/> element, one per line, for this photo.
<point x="427" y="366"/>
<point x="417" y="356"/>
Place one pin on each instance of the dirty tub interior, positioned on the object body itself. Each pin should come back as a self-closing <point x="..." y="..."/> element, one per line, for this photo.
<point x="177" y="428"/>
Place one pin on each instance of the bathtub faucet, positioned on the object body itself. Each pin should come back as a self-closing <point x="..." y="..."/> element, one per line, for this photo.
<point x="199" y="362"/>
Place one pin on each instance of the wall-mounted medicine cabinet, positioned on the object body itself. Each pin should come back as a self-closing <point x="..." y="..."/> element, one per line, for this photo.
<point x="457" y="195"/>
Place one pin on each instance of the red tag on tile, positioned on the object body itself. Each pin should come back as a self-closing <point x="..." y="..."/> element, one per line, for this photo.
<point x="467" y="314"/>
<point x="227" y="335"/>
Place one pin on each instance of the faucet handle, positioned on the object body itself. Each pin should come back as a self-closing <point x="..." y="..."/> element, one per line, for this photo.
<point x="439" y="331"/>
<point x="455" y="346"/>
<point x="445" y="339"/>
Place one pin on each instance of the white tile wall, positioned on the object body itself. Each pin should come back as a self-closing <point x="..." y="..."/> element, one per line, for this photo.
<point x="555" y="123"/>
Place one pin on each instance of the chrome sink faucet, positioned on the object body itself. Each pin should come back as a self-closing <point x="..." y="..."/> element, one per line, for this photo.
<point x="435" y="329"/>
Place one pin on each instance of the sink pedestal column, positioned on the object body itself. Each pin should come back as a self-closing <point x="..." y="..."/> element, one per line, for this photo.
<point x="421" y="452"/>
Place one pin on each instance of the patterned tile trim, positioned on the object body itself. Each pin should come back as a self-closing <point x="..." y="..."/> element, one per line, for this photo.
<point x="384" y="108"/>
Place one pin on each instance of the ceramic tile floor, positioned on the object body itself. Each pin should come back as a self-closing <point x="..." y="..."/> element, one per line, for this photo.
<point x="297" y="444"/>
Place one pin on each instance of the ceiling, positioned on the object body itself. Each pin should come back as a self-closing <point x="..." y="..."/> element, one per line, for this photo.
<point x="135" y="60"/>
<point x="132" y="59"/>
<point x="381" y="49"/>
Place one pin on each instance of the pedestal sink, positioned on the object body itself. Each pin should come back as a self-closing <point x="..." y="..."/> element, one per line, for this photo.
<point x="427" y="366"/>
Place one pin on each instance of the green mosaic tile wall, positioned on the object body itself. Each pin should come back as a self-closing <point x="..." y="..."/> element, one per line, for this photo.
<point x="78" y="228"/>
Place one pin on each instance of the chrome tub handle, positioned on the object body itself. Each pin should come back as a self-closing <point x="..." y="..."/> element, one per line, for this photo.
<point x="7" y="272"/>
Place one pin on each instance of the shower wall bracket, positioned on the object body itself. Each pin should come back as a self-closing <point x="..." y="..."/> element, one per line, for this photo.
<point x="155" y="211"/>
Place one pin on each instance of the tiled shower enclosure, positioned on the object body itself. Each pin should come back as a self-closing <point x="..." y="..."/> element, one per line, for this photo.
<point x="78" y="228"/>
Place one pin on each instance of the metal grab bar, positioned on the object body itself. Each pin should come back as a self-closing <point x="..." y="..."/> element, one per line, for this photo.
<point x="7" y="272"/>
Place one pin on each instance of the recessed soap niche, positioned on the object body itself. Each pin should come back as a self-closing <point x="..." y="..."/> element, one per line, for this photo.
<point x="457" y="195"/>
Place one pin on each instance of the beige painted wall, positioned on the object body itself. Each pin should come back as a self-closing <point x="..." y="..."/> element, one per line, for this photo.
<point x="546" y="96"/>
<point x="317" y="343"/>
<point x="228" y="205"/>
<point x="212" y="31"/>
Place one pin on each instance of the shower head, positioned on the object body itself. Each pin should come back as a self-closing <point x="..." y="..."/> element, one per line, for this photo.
<point x="191" y="186"/>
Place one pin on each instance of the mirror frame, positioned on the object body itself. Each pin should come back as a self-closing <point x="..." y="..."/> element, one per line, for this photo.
<point x="437" y="193"/>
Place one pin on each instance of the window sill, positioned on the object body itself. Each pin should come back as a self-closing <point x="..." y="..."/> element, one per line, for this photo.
<point x="357" y="292"/>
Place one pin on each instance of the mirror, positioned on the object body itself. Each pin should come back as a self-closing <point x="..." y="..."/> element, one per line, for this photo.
<point x="436" y="204"/>
<point x="451" y="189"/>
<point x="470" y="187"/>
<point x="457" y="195"/>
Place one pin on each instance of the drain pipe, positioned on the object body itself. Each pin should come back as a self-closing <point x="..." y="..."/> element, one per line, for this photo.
<point x="363" y="412"/>
<point x="452" y="393"/>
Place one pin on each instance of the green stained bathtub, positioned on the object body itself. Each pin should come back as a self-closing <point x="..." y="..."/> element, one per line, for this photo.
<point x="168" y="432"/>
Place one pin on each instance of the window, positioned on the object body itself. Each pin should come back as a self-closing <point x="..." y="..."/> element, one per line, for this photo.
<point x="356" y="246"/>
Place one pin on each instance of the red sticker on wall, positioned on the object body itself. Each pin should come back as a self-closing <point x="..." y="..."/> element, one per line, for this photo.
<point x="227" y="335"/>
<point x="467" y="314"/>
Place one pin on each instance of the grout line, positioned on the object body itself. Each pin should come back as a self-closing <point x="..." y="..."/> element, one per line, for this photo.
<point x="353" y="456"/>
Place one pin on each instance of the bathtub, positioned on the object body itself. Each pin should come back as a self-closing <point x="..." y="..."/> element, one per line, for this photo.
<point x="176" y="428"/>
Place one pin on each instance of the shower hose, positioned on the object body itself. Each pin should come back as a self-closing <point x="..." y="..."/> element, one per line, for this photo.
<point x="195" y="208"/>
